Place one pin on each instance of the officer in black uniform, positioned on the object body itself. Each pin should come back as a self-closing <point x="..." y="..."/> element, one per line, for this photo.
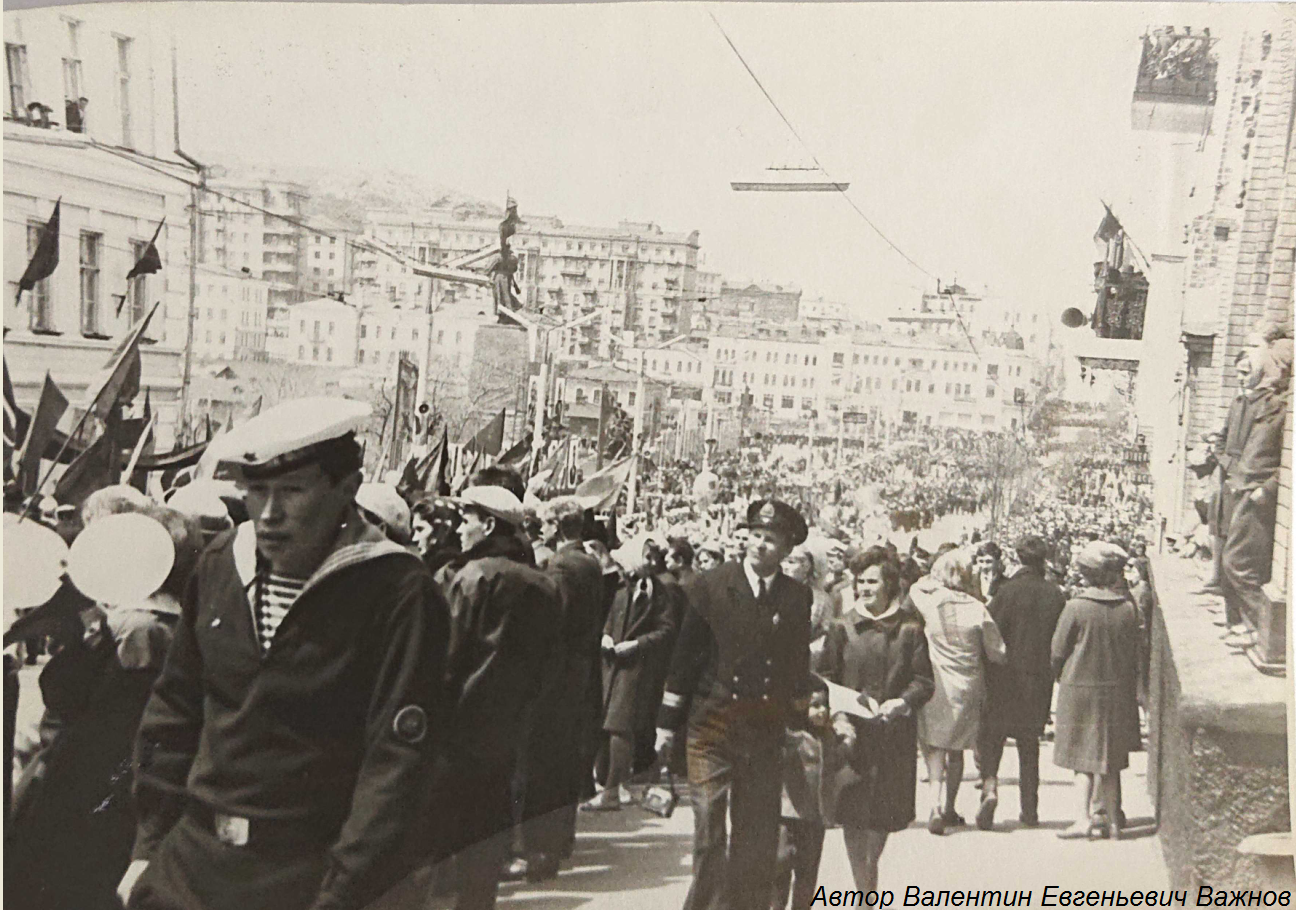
<point x="740" y="674"/>
<point x="301" y="696"/>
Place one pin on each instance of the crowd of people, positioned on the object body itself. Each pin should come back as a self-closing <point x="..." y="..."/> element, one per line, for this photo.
<point x="307" y="690"/>
<point x="337" y="689"/>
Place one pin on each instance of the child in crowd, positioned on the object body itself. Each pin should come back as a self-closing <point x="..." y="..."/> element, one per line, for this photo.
<point x="808" y="760"/>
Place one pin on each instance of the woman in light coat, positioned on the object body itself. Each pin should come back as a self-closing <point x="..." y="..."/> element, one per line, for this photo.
<point x="961" y="636"/>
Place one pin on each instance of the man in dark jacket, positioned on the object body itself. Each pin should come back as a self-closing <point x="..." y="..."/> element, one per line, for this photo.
<point x="301" y="695"/>
<point x="504" y="623"/>
<point x="740" y="672"/>
<point x="559" y="726"/>
<point x="1026" y="608"/>
<point x="1227" y="448"/>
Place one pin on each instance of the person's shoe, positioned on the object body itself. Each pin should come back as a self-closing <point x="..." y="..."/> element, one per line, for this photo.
<point x="953" y="820"/>
<point x="1029" y="819"/>
<point x="986" y="811"/>
<point x="542" y="867"/>
<point x="936" y="823"/>
<point x="515" y="871"/>
<point x="607" y="801"/>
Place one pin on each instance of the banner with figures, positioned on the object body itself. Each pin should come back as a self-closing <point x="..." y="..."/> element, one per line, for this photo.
<point x="407" y="377"/>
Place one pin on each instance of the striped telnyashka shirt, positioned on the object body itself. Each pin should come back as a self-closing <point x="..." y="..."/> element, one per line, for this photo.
<point x="277" y="594"/>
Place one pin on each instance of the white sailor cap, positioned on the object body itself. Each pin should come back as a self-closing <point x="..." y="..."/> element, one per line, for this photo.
<point x="290" y="435"/>
<point x="384" y="503"/>
<point x="492" y="500"/>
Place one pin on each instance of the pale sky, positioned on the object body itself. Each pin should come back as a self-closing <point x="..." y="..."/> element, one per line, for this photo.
<point x="979" y="137"/>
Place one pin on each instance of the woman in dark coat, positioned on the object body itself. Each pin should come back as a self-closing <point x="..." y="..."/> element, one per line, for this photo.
<point x="879" y="650"/>
<point x="637" y="637"/>
<point x="74" y="825"/>
<point x="1096" y="660"/>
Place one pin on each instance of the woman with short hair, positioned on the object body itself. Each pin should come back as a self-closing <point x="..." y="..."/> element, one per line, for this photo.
<point x="961" y="637"/>
<point x="799" y="565"/>
<point x="876" y="648"/>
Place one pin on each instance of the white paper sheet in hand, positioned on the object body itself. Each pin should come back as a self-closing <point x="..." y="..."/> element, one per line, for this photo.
<point x="842" y="700"/>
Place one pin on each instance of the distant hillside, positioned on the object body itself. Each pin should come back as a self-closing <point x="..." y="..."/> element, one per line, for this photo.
<point x="343" y="195"/>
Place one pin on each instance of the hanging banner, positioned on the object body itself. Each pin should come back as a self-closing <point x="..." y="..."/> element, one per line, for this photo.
<point x="407" y="378"/>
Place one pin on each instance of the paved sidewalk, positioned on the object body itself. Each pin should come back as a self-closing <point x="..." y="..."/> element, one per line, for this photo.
<point x="631" y="859"/>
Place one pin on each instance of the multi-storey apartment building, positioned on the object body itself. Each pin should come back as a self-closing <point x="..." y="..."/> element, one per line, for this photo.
<point x="231" y="313"/>
<point x="236" y="236"/>
<point x="326" y="258"/>
<point x="640" y="278"/>
<point x="88" y="120"/>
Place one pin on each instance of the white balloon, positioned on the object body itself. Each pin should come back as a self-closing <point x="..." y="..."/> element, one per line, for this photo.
<point x="121" y="559"/>
<point x="34" y="561"/>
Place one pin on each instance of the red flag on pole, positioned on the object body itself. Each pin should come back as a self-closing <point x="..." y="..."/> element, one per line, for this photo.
<point x="46" y="258"/>
<point x="91" y="470"/>
<point x="519" y="451"/>
<point x="120" y="378"/>
<point x="149" y="262"/>
<point x="1108" y="229"/>
<point x="490" y="438"/>
<point x="44" y="419"/>
<point x="602" y="490"/>
<point x="16" y="423"/>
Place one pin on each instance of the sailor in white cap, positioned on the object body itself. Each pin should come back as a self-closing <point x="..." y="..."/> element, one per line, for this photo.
<point x="295" y="713"/>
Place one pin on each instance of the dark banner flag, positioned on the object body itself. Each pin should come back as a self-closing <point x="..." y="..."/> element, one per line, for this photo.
<point x="517" y="453"/>
<point x="150" y="263"/>
<point x="490" y="438"/>
<point x="46" y="258"/>
<point x="44" y="419"/>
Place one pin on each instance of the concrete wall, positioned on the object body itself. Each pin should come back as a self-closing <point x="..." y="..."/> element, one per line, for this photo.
<point x="1217" y="746"/>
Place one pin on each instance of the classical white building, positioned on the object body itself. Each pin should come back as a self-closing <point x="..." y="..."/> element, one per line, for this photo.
<point x="89" y="121"/>
<point x="798" y="376"/>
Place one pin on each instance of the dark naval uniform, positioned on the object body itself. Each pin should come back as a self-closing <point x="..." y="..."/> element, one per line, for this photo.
<point x="280" y="778"/>
<point x="740" y="671"/>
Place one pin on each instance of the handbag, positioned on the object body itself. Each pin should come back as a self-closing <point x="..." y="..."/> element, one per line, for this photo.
<point x="661" y="798"/>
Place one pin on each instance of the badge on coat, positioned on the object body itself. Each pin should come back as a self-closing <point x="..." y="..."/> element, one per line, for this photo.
<point x="410" y="724"/>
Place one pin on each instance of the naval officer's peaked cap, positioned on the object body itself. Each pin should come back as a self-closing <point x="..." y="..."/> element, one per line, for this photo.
<point x="291" y="434"/>
<point x="779" y="517"/>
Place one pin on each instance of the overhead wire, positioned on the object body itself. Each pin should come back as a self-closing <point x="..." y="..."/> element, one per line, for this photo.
<point x="813" y="157"/>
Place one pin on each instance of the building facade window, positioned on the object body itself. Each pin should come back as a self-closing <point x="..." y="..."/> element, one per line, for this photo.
<point x="41" y="310"/>
<point x="16" y="62"/>
<point x="139" y="285"/>
<point x="123" y="87"/>
<point x="72" y="82"/>
<point x="90" y="254"/>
